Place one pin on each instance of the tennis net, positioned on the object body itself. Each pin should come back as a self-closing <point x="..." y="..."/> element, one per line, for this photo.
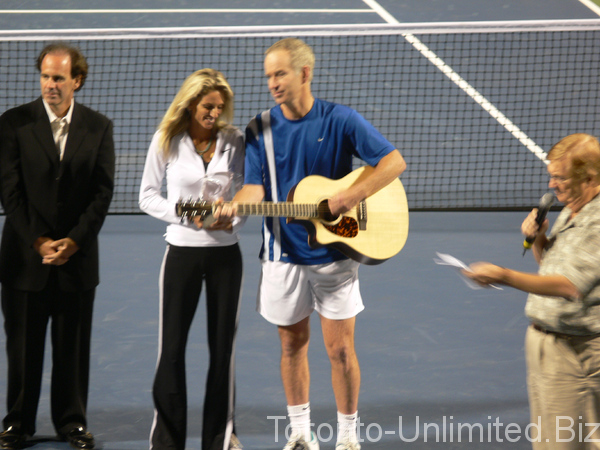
<point x="473" y="107"/>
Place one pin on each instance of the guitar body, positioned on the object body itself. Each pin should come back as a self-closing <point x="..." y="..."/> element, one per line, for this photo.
<point x="371" y="233"/>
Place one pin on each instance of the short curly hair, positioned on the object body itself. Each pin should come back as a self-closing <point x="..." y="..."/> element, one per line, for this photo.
<point x="583" y="152"/>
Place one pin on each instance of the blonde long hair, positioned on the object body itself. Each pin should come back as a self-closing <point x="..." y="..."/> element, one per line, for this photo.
<point x="177" y="118"/>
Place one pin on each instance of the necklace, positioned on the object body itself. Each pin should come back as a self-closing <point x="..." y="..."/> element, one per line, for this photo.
<point x="202" y="152"/>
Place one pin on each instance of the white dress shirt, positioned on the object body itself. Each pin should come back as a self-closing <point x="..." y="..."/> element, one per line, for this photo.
<point x="60" y="127"/>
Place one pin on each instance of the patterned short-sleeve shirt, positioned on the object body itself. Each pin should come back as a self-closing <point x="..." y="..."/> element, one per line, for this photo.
<point x="573" y="251"/>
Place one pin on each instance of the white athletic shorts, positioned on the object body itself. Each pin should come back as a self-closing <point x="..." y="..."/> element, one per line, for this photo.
<point x="288" y="293"/>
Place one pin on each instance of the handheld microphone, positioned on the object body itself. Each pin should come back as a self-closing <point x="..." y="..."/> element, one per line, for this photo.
<point x="545" y="203"/>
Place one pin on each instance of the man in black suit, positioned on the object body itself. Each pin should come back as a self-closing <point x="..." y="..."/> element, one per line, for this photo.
<point x="56" y="185"/>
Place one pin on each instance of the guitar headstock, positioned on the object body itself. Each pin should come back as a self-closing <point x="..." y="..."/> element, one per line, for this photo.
<point x="193" y="208"/>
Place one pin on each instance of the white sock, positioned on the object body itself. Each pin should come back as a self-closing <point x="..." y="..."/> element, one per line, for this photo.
<point x="347" y="427"/>
<point x="300" y="420"/>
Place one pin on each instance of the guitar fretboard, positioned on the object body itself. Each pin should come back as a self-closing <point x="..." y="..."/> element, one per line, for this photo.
<point x="281" y="209"/>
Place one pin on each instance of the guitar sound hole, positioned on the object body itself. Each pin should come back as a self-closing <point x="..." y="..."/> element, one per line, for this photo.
<point x="324" y="212"/>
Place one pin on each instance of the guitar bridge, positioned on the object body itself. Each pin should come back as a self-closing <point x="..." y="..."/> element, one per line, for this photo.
<point x="362" y="215"/>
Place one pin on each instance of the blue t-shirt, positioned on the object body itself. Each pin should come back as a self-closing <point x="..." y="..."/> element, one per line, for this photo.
<point x="321" y="143"/>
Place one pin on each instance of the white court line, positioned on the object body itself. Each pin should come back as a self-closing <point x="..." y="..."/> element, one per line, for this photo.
<point x="179" y="11"/>
<point x="590" y="4"/>
<point x="463" y="84"/>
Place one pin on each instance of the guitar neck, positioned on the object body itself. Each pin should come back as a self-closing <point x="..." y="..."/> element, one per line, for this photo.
<point x="280" y="209"/>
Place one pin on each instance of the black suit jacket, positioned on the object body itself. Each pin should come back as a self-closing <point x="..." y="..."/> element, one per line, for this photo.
<point x="43" y="196"/>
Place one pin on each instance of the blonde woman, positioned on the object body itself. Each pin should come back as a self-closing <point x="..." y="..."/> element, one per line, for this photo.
<point x="194" y="147"/>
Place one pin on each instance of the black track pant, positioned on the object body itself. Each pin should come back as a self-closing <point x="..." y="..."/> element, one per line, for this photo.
<point x="183" y="272"/>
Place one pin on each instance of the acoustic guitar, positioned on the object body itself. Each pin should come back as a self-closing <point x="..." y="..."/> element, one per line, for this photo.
<point x="370" y="233"/>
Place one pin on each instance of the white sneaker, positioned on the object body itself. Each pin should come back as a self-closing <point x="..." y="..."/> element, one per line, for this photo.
<point x="347" y="445"/>
<point x="234" y="443"/>
<point x="298" y="443"/>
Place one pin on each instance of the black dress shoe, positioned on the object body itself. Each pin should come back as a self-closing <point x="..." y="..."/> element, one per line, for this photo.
<point x="12" y="439"/>
<point x="79" y="437"/>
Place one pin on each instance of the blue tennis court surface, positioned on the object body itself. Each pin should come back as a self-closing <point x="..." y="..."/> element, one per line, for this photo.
<point x="432" y="351"/>
<point x="442" y="365"/>
<point x="430" y="348"/>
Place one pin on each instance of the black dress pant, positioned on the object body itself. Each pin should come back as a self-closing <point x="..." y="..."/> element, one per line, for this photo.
<point x="26" y="317"/>
<point x="183" y="272"/>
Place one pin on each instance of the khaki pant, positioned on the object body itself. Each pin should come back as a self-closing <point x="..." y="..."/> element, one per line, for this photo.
<point x="563" y="381"/>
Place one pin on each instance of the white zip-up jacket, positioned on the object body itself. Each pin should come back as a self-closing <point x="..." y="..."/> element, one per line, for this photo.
<point x="184" y="171"/>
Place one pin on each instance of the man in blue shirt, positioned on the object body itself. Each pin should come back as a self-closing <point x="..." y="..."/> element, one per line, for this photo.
<point x="304" y="136"/>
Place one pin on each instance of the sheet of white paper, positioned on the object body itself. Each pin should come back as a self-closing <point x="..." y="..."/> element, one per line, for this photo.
<point x="444" y="259"/>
